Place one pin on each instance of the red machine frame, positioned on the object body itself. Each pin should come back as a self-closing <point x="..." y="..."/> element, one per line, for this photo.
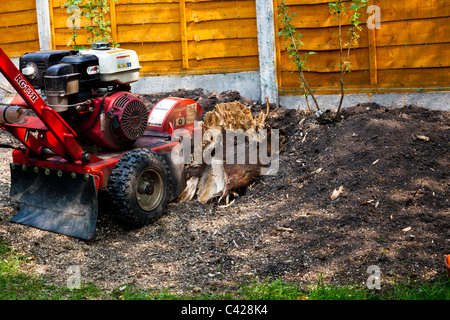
<point x="53" y="133"/>
<point x="50" y="143"/>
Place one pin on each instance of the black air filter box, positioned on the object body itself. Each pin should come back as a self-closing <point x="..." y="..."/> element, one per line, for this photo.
<point x="88" y="68"/>
<point x="61" y="79"/>
<point x="41" y="61"/>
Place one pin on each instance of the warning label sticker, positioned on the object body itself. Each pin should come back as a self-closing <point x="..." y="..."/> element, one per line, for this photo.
<point x="123" y="61"/>
<point x="160" y="111"/>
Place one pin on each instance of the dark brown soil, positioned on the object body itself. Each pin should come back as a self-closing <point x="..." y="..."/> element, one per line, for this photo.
<point x="393" y="211"/>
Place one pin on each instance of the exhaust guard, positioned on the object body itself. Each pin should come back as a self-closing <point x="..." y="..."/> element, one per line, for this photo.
<point x="55" y="200"/>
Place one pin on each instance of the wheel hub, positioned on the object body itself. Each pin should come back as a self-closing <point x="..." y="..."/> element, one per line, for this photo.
<point x="149" y="189"/>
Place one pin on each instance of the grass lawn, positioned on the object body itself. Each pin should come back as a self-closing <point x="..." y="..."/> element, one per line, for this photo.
<point x="18" y="283"/>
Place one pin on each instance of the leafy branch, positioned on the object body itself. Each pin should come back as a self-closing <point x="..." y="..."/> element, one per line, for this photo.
<point x="94" y="11"/>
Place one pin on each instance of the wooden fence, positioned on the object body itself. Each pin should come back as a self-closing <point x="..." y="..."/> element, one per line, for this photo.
<point x="178" y="36"/>
<point x="410" y="52"/>
<point x="18" y="27"/>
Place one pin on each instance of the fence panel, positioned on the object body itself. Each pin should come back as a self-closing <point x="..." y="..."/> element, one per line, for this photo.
<point x="18" y="27"/>
<point x="408" y="53"/>
<point x="177" y="36"/>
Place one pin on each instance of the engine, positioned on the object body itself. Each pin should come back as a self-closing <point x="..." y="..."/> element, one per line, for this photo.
<point x="90" y="89"/>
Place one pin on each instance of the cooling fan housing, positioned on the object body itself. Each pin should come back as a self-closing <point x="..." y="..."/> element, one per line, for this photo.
<point x="121" y="120"/>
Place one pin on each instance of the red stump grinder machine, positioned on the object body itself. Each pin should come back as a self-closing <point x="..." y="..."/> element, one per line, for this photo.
<point x="81" y="133"/>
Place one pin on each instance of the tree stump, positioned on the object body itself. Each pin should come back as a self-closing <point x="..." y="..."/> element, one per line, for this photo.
<point x="231" y="136"/>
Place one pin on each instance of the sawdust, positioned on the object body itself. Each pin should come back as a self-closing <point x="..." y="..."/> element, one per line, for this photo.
<point x="233" y="116"/>
<point x="285" y="225"/>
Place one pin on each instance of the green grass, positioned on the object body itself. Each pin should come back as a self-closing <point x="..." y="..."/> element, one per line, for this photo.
<point x="18" y="283"/>
<point x="419" y="290"/>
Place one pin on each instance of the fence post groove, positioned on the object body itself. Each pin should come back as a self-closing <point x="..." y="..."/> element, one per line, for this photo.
<point x="184" y="41"/>
<point x="112" y="10"/>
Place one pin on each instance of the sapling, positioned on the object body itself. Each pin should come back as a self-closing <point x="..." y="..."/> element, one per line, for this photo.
<point x="293" y="44"/>
<point x="95" y="12"/>
<point x="340" y="9"/>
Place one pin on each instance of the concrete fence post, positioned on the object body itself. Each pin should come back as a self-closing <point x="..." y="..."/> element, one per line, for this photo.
<point x="44" y="25"/>
<point x="267" y="52"/>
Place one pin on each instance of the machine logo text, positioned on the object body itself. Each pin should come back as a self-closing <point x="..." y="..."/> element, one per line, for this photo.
<point x="26" y="88"/>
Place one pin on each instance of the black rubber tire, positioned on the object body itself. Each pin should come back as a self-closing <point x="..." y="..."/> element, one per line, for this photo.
<point x="123" y="186"/>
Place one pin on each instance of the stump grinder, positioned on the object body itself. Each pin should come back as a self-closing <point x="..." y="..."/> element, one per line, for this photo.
<point x="81" y="132"/>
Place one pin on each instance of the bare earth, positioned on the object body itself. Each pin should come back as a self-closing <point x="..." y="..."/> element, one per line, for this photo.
<point x="393" y="211"/>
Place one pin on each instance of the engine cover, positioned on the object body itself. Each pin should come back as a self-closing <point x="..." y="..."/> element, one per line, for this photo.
<point x="118" y="121"/>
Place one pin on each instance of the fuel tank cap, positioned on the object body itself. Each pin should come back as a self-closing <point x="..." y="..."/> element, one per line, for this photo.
<point x="101" y="45"/>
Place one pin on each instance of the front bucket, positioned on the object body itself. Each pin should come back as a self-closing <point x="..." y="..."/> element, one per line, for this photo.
<point x="55" y="200"/>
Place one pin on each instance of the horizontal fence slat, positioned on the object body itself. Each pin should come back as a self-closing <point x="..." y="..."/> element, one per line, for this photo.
<point x="148" y="13"/>
<point x="222" y="48"/>
<point x="61" y="19"/>
<point x="14" y="50"/>
<point x="63" y="38"/>
<point x="222" y="65"/>
<point x="149" y="33"/>
<point x="152" y="51"/>
<point x="304" y="2"/>
<point x="220" y="10"/>
<point x="328" y="61"/>
<point x="18" y="34"/>
<point x="318" y="39"/>
<point x="158" y="55"/>
<point x="317" y="79"/>
<point x="17" y="5"/>
<point x="414" y="56"/>
<point x="20" y="18"/>
<point x="226" y="29"/>
<point x="406" y="79"/>
<point x="319" y="16"/>
<point x="436" y="30"/>
<point x="155" y="51"/>
<point x="158" y="68"/>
